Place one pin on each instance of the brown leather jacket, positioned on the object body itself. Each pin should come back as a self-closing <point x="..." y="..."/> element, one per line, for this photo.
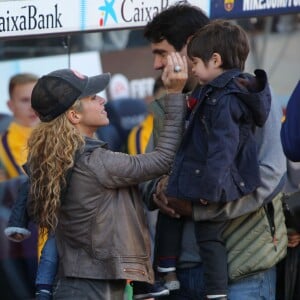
<point x="102" y="231"/>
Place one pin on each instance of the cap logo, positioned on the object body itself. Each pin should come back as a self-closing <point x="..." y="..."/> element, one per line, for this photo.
<point x="77" y="74"/>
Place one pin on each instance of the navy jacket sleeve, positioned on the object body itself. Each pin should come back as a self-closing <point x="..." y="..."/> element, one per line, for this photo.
<point x="290" y="130"/>
<point x="19" y="216"/>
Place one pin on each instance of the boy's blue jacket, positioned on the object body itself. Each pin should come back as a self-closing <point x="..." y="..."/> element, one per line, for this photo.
<point x="217" y="158"/>
<point x="290" y="130"/>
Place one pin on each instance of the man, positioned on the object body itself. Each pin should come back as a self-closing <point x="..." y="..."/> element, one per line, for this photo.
<point x="170" y="31"/>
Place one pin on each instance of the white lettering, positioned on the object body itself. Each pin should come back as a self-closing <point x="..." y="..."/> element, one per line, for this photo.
<point x="249" y="5"/>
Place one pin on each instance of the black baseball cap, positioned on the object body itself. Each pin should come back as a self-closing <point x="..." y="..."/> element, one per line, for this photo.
<point x="56" y="92"/>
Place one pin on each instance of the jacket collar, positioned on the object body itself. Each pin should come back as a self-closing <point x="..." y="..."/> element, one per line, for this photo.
<point x="222" y="80"/>
<point x="92" y="143"/>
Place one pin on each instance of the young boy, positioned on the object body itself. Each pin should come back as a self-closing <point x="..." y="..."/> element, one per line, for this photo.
<point x="216" y="161"/>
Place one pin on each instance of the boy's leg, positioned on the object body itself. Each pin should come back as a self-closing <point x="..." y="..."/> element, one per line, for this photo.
<point x="168" y="241"/>
<point x="214" y="256"/>
<point x="168" y="246"/>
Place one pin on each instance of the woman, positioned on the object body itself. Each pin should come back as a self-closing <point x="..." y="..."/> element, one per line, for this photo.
<point x="86" y="194"/>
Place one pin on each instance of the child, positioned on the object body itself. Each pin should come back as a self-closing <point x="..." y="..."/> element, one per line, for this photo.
<point x="216" y="161"/>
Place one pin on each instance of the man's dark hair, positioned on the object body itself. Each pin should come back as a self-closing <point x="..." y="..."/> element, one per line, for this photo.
<point x="175" y="24"/>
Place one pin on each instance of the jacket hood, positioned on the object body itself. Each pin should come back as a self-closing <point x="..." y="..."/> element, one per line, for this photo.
<point x="254" y="91"/>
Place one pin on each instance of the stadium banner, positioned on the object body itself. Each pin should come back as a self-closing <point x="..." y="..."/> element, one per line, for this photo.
<point x="26" y="18"/>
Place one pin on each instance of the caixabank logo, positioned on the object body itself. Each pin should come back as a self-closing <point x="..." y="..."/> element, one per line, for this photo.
<point x="107" y="11"/>
<point x="129" y="11"/>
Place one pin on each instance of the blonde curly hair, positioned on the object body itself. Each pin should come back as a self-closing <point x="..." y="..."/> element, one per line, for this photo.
<point x="52" y="147"/>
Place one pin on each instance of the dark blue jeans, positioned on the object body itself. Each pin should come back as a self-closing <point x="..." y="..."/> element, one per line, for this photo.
<point x="260" y="286"/>
<point x="48" y="264"/>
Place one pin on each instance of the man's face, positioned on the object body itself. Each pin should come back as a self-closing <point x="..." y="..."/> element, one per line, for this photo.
<point x="161" y="50"/>
<point x="20" y="105"/>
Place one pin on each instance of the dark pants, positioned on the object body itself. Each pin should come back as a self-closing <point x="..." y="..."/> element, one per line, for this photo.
<point x="211" y="247"/>
<point x="69" y="288"/>
<point x="288" y="276"/>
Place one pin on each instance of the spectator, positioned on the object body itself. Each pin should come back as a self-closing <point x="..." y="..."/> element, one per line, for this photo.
<point x="124" y="114"/>
<point x="13" y="151"/>
<point x="18" y="261"/>
<point x="288" y="275"/>
<point x="139" y="135"/>
<point x="139" y="138"/>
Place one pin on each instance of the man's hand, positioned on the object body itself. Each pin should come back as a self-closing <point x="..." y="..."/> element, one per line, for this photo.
<point x="293" y="239"/>
<point x="161" y="200"/>
<point x="171" y="206"/>
<point x="181" y="207"/>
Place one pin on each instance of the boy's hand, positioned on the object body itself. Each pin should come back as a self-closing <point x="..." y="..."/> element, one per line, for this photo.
<point x="16" y="237"/>
<point x="16" y="234"/>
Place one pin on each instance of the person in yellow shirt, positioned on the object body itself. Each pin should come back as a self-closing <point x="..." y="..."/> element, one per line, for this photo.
<point x="13" y="153"/>
<point x="140" y="135"/>
<point x="18" y="261"/>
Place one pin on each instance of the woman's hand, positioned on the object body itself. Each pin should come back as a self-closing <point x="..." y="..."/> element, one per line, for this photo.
<point x="175" y="73"/>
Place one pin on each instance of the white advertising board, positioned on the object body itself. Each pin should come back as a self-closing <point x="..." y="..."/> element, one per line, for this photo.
<point x="36" y="17"/>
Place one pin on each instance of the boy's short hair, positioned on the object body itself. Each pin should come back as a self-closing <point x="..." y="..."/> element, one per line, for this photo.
<point x="19" y="79"/>
<point x="175" y="24"/>
<point x="222" y="37"/>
